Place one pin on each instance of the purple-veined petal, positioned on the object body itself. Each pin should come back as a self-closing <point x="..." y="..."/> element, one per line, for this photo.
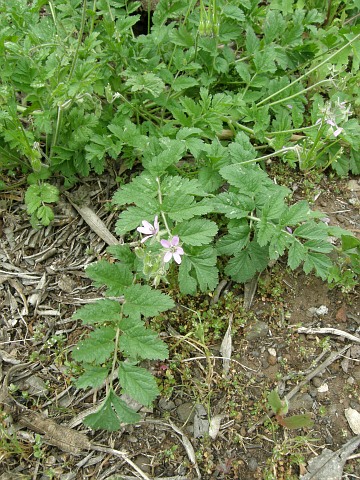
<point x="167" y="257"/>
<point x="165" y="243"/>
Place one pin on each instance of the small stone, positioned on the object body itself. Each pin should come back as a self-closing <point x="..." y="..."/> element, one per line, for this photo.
<point x="301" y="401"/>
<point x="252" y="464"/>
<point x="272" y="352"/>
<point x="272" y="360"/>
<point x="257" y="330"/>
<point x="353" y="418"/>
<point x="350" y="381"/>
<point x="355" y="351"/>
<point x="265" y="364"/>
<point x="317" y="382"/>
<point x="143" y="462"/>
<point x="313" y="392"/>
<point x="186" y="412"/>
<point x="166" y="405"/>
<point x="323" y="388"/>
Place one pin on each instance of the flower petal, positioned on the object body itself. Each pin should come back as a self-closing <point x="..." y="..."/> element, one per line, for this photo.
<point x="156" y="223"/>
<point x="165" y="243"/>
<point x="179" y="251"/>
<point x="175" y="241"/>
<point x="167" y="257"/>
<point x="177" y="258"/>
<point x="337" y="132"/>
<point x="145" y="238"/>
<point x="144" y="230"/>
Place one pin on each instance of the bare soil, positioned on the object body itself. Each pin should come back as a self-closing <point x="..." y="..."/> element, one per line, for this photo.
<point x="42" y="283"/>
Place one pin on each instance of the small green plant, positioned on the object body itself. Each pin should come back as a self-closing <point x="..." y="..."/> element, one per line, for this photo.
<point x="280" y="409"/>
<point x="119" y="341"/>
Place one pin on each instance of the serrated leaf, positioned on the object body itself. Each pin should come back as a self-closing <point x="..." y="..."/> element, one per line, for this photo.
<point x="138" y="383"/>
<point x="45" y="214"/>
<point x="320" y="246"/>
<point x="231" y="204"/>
<point x="183" y="207"/>
<point x="348" y="242"/>
<point x="114" y="275"/>
<point x="141" y="187"/>
<point x="196" y="232"/>
<point x="298" y="421"/>
<point x="199" y="263"/>
<point x="183" y="82"/>
<point x="278" y="243"/>
<point x="235" y="240"/>
<point x="144" y="300"/>
<point x="102" y="311"/>
<point x="278" y="406"/>
<point x="312" y="231"/>
<point x="159" y="163"/>
<point x="274" y="26"/>
<point x="37" y="194"/>
<point x="296" y="254"/>
<point x="111" y="415"/>
<point x="231" y="11"/>
<point x="94" y="376"/>
<point x="139" y="342"/>
<point x="319" y="262"/>
<point x="96" y="348"/>
<point x="147" y="82"/>
<point x="123" y="254"/>
<point x="252" y="42"/>
<point x="248" y="180"/>
<point x="274" y="207"/>
<point x="244" y="265"/>
<point x="210" y="179"/>
<point x="265" y="231"/>
<point x="132" y="217"/>
<point x="296" y="213"/>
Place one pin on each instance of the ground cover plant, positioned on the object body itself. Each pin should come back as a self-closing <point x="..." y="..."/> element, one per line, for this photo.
<point x="190" y="104"/>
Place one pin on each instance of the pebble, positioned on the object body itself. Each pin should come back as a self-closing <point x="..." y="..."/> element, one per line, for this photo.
<point x="252" y="464"/>
<point x="272" y="359"/>
<point x="166" y="405"/>
<point x="301" y="401"/>
<point x="353" y="186"/>
<point x="257" y="330"/>
<point x="313" y="392"/>
<point x="317" y="382"/>
<point x="186" y="412"/>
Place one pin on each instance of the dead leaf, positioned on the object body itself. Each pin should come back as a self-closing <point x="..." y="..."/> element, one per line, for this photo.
<point x="341" y="314"/>
<point x="353" y="418"/>
<point x="226" y="347"/>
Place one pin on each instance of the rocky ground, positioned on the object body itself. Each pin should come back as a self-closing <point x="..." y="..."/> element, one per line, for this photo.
<point x="212" y="420"/>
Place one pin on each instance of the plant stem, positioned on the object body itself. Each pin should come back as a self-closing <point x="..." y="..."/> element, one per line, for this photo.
<point x="309" y="72"/>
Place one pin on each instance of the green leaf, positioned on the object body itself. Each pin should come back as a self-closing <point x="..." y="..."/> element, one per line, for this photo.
<point x="235" y="240"/>
<point x="274" y="26"/>
<point x="320" y="246"/>
<point x="274" y="207"/>
<point x="111" y="415"/>
<point x="231" y="11"/>
<point x="231" y="204"/>
<point x="159" y="163"/>
<point x="199" y="263"/>
<point x="45" y="214"/>
<point x="123" y="254"/>
<point x="312" y="231"/>
<point x="139" y="342"/>
<point x="183" y="82"/>
<point x="37" y="194"/>
<point x="196" y="232"/>
<point x="138" y="383"/>
<point x="252" y="42"/>
<point x="265" y="231"/>
<point x="146" y="82"/>
<point x="279" y="407"/>
<point x="244" y="265"/>
<point x="114" y="275"/>
<point x="100" y="312"/>
<point x="296" y="213"/>
<point x="209" y="178"/>
<point x="319" y="262"/>
<point x="296" y="254"/>
<point x="183" y="207"/>
<point x="96" y="348"/>
<point x="132" y="217"/>
<point x="143" y="300"/>
<point x="349" y="242"/>
<point x="142" y="187"/>
<point x="94" y="376"/>
<point x="298" y="421"/>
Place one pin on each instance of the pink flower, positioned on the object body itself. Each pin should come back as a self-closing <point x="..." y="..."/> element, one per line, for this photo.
<point x="173" y="250"/>
<point x="148" y="229"/>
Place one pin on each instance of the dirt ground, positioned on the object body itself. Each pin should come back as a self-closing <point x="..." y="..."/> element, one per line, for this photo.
<point x="207" y="422"/>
